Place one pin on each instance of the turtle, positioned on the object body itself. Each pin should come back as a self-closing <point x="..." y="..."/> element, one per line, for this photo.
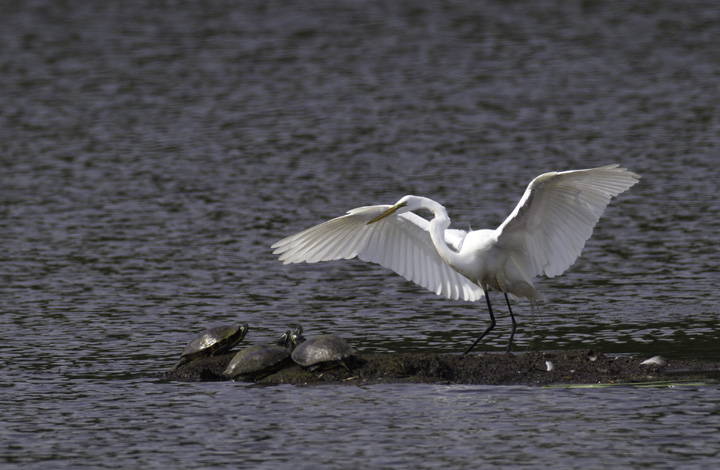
<point x="322" y="352"/>
<point x="211" y="342"/>
<point x="261" y="360"/>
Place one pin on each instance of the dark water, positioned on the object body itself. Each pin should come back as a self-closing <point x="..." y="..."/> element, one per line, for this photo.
<point x="151" y="154"/>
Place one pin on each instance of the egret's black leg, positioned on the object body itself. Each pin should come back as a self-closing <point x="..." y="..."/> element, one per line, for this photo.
<point x="489" y="328"/>
<point x="514" y="323"/>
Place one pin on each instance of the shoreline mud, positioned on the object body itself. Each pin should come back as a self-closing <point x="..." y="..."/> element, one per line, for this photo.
<point x="531" y="368"/>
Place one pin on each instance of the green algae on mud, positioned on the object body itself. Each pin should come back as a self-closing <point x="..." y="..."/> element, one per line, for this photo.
<point x="532" y="368"/>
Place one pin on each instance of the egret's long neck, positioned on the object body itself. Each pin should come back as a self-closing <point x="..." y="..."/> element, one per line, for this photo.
<point x="438" y="225"/>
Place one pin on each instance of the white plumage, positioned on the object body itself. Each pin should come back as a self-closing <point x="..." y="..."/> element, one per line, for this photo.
<point x="544" y="235"/>
<point x="399" y="243"/>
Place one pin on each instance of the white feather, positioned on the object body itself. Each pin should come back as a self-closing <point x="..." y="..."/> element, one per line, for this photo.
<point x="400" y="243"/>
<point x="544" y="235"/>
<point x="555" y="217"/>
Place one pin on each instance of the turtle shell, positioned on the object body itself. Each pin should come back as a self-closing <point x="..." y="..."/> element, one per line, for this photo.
<point x="257" y="361"/>
<point x="322" y="351"/>
<point x="212" y="341"/>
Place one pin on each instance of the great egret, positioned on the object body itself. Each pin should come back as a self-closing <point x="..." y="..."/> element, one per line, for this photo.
<point x="544" y="235"/>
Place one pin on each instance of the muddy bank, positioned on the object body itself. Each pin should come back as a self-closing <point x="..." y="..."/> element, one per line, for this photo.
<point x="533" y="368"/>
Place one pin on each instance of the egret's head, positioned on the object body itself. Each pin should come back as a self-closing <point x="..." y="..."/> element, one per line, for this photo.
<point x="401" y="206"/>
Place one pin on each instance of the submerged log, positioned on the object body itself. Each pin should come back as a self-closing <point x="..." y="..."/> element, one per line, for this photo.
<point x="533" y="368"/>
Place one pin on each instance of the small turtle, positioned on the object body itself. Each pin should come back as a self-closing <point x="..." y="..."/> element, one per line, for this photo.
<point x="322" y="352"/>
<point x="261" y="360"/>
<point x="211" y="342"/>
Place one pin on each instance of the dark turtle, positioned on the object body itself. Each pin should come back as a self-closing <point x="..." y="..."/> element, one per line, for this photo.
<point x="261" y="360"/>
<point x="211" y="342"/>
<point x="322" y="352"/>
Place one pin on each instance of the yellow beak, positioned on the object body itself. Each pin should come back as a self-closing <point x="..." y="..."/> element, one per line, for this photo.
<point x="387" y="213"/>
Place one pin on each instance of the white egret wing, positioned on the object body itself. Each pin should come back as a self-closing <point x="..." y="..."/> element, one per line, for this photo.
<point x="548" y="229"/>
<point x="400" y="242"/>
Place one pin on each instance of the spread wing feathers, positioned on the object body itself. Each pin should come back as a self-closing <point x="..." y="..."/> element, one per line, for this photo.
<point x="555" y="217"/>
<point x="400" y="242"/>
